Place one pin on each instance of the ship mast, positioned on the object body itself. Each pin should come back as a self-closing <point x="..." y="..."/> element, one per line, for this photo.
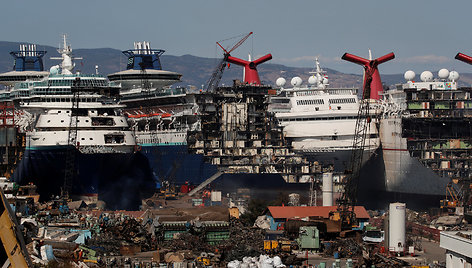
<point x="67" y="58"/>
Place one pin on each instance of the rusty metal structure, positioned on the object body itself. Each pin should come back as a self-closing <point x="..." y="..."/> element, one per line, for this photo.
<point x="239" y="135"/>
<point x="12" y="142"/>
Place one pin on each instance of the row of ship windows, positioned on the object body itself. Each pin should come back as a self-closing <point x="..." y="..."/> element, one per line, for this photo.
<point x="308" y="93"/>
<point x="69" y="100"/>
<point x="318" y="118"/>
<point x="350" y="100"/>
<point x="83" y="82"/>
<point x="321" y="101"/>
<point x="310" y="102"/>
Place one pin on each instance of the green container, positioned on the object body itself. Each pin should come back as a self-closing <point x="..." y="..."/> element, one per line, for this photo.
<point x="169" y="235"/>
<point x="415" y="105"/>
<point x="309" y="238"/>
<point x="215" y="237"/>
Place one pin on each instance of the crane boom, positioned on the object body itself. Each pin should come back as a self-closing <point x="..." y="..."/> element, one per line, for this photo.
<point x="216" y="76"/>
<point x="372" y="89"/>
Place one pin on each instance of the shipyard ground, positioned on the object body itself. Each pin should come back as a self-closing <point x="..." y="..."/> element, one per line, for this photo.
<point x="168" y="231"/>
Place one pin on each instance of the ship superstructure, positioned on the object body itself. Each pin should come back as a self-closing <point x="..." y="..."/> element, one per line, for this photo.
<point x="160" y="115"/>
<point x="319" y="121"/>
<point x="28" y="66"/>
<point x="67" y="102"/>
<point x="425" y="134"/>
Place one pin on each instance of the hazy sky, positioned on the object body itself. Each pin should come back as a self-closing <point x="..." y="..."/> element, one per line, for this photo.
<point x="424" y="34"/>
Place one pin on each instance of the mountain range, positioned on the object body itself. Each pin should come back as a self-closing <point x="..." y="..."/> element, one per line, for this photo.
<point x="195" y="70"/>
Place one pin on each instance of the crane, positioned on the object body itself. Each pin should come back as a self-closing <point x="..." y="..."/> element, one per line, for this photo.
<point x="71" y="153"/>
<point x="218" y="73"/>
<point x="372" y="88"/>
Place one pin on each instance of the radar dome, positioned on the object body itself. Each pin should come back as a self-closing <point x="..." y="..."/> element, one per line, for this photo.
<point x="325" y="81"/>
<point x="453" y="76"/>
<point x="54" y="70"/>
<point x="312" y="80"/>
<point x="296" y="81"/>
<point x="443" y="73"/>
<point x="280" y="82"/>
<point x="426" y="76"/>
<point x="409" y="75"/>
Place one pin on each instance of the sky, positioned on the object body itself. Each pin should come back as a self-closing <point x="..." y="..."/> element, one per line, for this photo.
<point x="423" y="34"/>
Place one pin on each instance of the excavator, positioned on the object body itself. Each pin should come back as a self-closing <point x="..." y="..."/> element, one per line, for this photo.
<point x="13" y="252"/>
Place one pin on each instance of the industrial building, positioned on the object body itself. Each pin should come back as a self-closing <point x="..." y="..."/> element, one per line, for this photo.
<point x="458" y="245"/>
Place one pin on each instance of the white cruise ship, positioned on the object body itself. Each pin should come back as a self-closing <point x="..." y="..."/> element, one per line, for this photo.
<point x="320" y="121"/>
<point x="66" y="111"/>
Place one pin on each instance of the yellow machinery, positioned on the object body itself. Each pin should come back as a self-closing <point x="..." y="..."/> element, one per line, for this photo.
<point x="13" y="252"/>
<point x="452" y="199"/>
<point x="276" y="246"/>
<point x="203" y="261"/>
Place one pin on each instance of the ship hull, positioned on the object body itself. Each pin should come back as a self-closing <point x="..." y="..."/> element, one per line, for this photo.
<point x="119" y="179"/>
<point x="175" y="164"/>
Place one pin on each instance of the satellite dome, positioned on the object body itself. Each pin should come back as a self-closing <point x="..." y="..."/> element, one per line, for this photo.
<point x="443" y="73"/>
<point x="54" y="70"/>
<point x="453" y="76"/>
<point x="280" y="82"/>
<point x="325" y="81"/>
<point x="296" y="81"/>
<point x="426" y="76"/>
<point x="312" y="80"/>
<point x="409" y="75"/>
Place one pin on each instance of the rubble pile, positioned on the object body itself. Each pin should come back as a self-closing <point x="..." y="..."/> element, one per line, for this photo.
<point x="188" y="241"/>
<point x="346" y="248"/>
<point x="244" y="241"/>
<point x="379" y="260"/>
<point x="115" y="235"/>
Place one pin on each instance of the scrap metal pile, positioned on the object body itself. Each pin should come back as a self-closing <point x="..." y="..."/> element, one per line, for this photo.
<point x="346" y="248"/>
<point x="243" y="241"/>
<point x="120" y="236"/>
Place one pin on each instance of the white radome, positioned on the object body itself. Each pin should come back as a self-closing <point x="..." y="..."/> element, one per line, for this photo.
<point x="426" y="76"/>
<point x="443" y="73"/>
<point x="453" y="76"/>
<point x="409" y="75"/>
<point x="280" y="82"/>
<point x="312" y="80"/>
<point x="325" y="81"/>
<point x="296" y="81"/>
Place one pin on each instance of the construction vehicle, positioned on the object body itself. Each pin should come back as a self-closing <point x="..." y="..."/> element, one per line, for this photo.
<point x="452" y="200"/>
<point x="279" y="246"/>
<point x="372" y="89"/>
<point x="13" y="253"/>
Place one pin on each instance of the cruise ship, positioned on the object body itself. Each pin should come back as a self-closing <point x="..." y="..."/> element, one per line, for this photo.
<point x="67" y="111"/>
<point x="319" y="121"/>
<point x="160" y="116"/>
<point x="425" y="136"/>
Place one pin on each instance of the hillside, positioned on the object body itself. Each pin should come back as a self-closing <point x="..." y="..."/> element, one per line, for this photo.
<point x="196" y="70"/>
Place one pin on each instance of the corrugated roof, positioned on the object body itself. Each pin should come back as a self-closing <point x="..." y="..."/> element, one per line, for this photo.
<point x="288" y="212"/>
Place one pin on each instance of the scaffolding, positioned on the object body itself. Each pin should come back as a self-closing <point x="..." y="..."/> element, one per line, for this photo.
<point x="439" y="134"/>
<point x="240" y="135"/>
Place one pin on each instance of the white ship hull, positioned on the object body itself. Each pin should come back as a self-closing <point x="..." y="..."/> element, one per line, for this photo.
<point x="403" y="173"/>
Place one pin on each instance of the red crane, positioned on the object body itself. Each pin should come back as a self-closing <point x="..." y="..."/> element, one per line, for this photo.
<point x="371" y="90"/>
<point x="218" y="73"/>
<point x="371" y="73"/>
